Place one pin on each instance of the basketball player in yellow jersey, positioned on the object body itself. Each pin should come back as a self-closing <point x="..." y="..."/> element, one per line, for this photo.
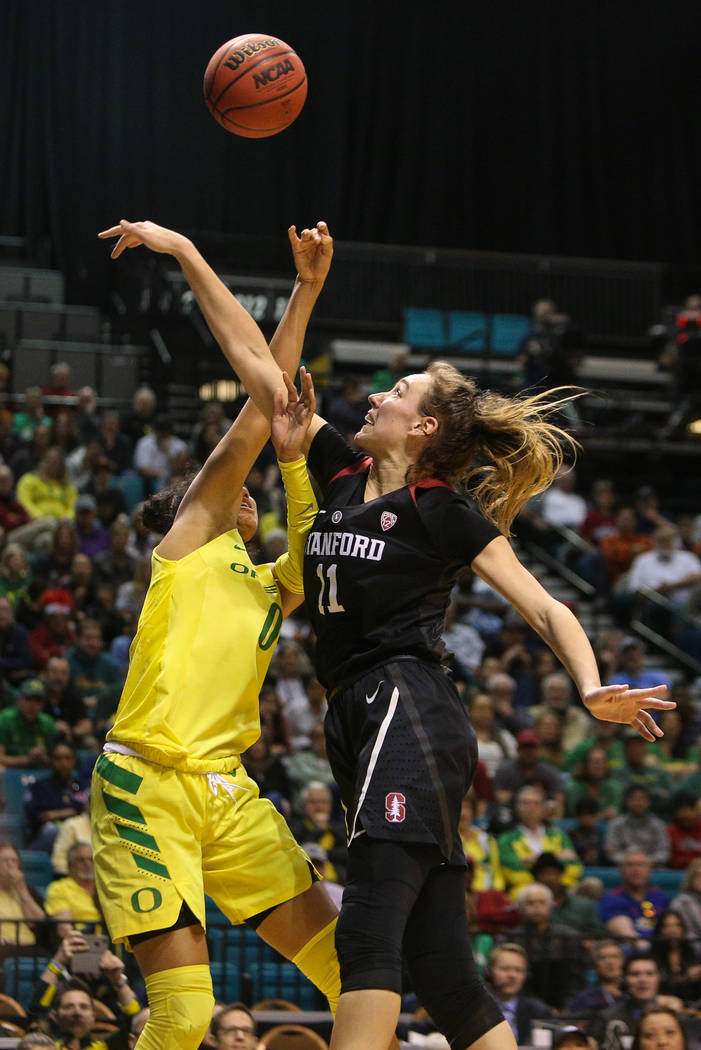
<point x="174" y="814"/>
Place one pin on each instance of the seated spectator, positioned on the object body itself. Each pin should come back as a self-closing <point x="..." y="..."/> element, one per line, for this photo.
<point x="666" y="569"/>
<point x="27" y="734"/>
<point x="586" y="835"/>
<point x="20" y="905"/>
<point x="346" y="409"/>
<point x="53" y="635"/>
<point x="632" y="671"/>
<point x="72" y="901"/>
<point x="92" y="538"/>
<point x="604" y="735"/>
<point x="672" y="750"/>
<point x="562" y="506"/>
<point x="608" y="990"/>
<point x="649" y="516"/>
<point x="15" y="519"/>
<point x="680" y="973"/>
<point x="494" y="744"/>
<point x="36" y="1041"/>
<point x="51" y="800"/>
<point x="310" y="764"/>
<point x="140" y="420"/>
<point x="660" y="1028"/>
<point x="32" y="414"/>
<point x="568" y="908"/>
<point x="463" y="644"/>
<point x="61" y="382"/>
<point x="81" y="463"/>
<point x="92" y="670"/>
<point x="269" y="773"/>
<point x="687" y="903"/>
<point x="621" y="547"/>
<point x="556" y="954"/>
<point x="110" y="500"/>
<point x="637" y="829"/>
<point x="520" y="847"/>
<point x="66" y="1003"/>
<point x="86" y="416"/>
<point x="234" y="1027"/>
<point x="507" y="973"/>
<point x="630" y="911"/>
<point x="130" y="595"/>
<point x="525" y="769"/>
<point x="489" y="911"/>
<point x="639" y="771"/>
<point x="54" y="568"/>
<point x="303" y="713"/>
<point x="15" y="576"/>
<point x="141" y="540"/>
<point x="115" y="446"/>
<point x="685" y="831"/>
<point x="481" y="849"/>
<point x="82" y="584"/>
<point x="556" y="691"/>
<point x="549" y="727"/>
<point x="600" y="520"/>
<point x="15" y="648"/>
<point x="48" y="492"/>
<point x="72" y="830"/>
<point x="593" y="782"/>
<point x="64" y="433"/>
<point x="154" y="453"/>
<point x="547" y="352"/>
<point x="316" y="825"/>
<point x="290" y="666"/>
<point x="642" y="983"/>
<point x="273" y="724"/>
<point x="501" y="689"/>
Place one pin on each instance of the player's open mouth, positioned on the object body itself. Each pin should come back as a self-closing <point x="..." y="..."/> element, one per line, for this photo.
<point x="368" y="420"/>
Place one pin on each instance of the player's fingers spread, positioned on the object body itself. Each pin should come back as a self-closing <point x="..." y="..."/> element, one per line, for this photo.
<point x="659" y="705"/>
<point x="292" y="233"/>
<point x="642" y="729"/>
<point x="113" y="231"/>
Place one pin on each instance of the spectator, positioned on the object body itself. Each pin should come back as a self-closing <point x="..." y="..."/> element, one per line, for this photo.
<point x="621" y="547"/>
<point x="508" y="970"/>
<point x="638" y="770"/>
<point x="685" y="831"/>
<point x="27" y="734"/>
<point x="546" y="352"/>
<point x="637" y="829"/>
<point x="556" y="690"/>
<point x="660" y="1028"/>
<point x="92" y="538"/>
<point x="525" y="769"/>
<point x="48" y="491"/>
<point x="72" y="901"/>
<point x="501" y="688"/>
<point x="586" y="835"/>
<point x="556" y="955"/>
<point x="86" y="417"/>
<point x="92" y="671"/>
<point x="316" y="825"/>
<point x="15" y="575"/>
<point x="630" y="911"/>
<point x="519" y="848"/>
<point x="234" y="1028"/>
<point x="20" y="905"/>
<point x="303" y="713"/>
<point x="290" y="666"/>
<point x="15" y="648"/>
<point x="562" y="507"/>
<point x="568" y="908"/>
<point x="672" y="750"/>
<point x="464" y="646"/>
<point x="608" y="961"/>
<point x="601" y="519"/>
<point x="680" y="973"/>
<point x="51" y="800"/>
<point x="32" y="415"/>
<point x="54" y="568"/>
<point x="141" y="419"/>
<point x="603" y="735"/>
<point x="28" y="457"/>
<point x="346" y="411"/>
<point x="633" y="673"/>
<point x="549" y="727"/>
<point x="53" y="636"/>
<point x="115" y="446"/>
<point x="15" y="519"/>
<point x="154" y="453"/>
<point x="481" y="849"/>
<point x="308" y="765"/>
<point x="687" y="903"/>
<point x="494" y="744"/>
<point x="666" y="569"/>
<point x="73" y="830"/>
<point x="60" y="384"/>
<point x="273" y="723"/>
<point x="593" y="782"/>
<point x="82" y="585"/>
<point x="64" y="433"/>
<point x="570" y="1038"/>
<point x="642" y="983"/>
<point x="648" y="515"/>
<point x="111" y="502"/>
<point x="269" y="774"/>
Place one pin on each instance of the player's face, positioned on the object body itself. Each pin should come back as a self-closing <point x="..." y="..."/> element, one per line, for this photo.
<point x="247" y="516"/>
<point x="395" y="415"/>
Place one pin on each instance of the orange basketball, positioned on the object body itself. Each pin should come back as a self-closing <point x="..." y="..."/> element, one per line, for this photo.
<point x="255" y="85"/>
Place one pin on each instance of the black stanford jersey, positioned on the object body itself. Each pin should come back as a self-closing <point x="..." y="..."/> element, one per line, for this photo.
<point x="378" y="575"/>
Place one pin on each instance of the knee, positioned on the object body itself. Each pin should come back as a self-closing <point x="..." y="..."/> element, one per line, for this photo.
<point x="181" y="1003"/>
<point x="368" y="955"/>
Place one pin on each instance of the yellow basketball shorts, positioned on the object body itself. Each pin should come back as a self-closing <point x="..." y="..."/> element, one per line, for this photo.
<point x="161" y="837"/>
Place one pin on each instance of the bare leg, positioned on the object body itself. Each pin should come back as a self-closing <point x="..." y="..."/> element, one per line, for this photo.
<point x="292" y="924"/>
<point x="366" y="1020"/>
<point x="184" y="947"/>
<point x="498" y="1038"/>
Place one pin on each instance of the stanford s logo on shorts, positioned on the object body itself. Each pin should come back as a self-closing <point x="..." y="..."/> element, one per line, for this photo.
<point x="387" y="520"/>
<point x="395" y="807"/>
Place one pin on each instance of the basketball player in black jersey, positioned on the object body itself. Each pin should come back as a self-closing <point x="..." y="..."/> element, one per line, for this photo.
<point x="390" y="537"/>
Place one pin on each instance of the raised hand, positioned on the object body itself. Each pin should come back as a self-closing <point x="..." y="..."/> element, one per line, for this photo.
<point x="290" y="422"/>
<point x="132" y="234"/>
<point x="312" y="251"/>
<point x="618" y="703"/>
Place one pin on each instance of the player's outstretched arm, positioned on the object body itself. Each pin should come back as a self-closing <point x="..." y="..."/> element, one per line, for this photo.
<point x="234" y="329"/>
<point x="498" y="566"/>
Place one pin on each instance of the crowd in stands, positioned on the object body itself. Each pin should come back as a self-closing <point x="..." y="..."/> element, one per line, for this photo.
<point x="569" y="825"/>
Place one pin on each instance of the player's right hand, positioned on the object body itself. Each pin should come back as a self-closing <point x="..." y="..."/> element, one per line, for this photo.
<point x="132" y="234"/>
<point x="312" y="251"/>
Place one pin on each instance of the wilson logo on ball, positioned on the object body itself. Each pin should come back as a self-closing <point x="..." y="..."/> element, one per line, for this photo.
<point x="237" y="57"/>
<point x="268" y="76"/>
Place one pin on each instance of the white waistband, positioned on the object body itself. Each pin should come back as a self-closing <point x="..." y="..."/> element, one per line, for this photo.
<point x="215" y="780"/>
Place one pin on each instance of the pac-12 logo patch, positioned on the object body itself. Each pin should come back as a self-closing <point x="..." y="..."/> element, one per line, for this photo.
<point x="387" y="520"/>
<point x="395" y="807"/>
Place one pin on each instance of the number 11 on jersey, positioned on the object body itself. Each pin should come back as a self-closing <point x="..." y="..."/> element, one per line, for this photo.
<point x="333" y="605"/>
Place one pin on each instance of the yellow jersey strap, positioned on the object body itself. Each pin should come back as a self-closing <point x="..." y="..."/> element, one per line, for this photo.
<point x="301" y="511"/>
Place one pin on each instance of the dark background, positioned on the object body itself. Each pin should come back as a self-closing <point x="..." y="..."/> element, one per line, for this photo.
<point x="561" y="128"/>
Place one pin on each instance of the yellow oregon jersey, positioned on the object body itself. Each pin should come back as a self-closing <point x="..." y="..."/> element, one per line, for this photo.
<point x="204" y="641"/>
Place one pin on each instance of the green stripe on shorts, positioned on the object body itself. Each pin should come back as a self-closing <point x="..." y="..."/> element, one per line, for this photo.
<point x="123" y="809"/>
<point x="139" y="838"/>
<point x="121" y="778"/>
<point x="151" y="865"/>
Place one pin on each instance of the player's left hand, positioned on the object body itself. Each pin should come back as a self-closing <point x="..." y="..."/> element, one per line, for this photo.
<point x="290" y="422"/>
<point x="618" y="703"/>
<point x="312" y="251"/>
<point x="132" y="234"/>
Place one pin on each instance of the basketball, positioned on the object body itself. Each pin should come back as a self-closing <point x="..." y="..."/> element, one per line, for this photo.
<point x="255" y="85"/>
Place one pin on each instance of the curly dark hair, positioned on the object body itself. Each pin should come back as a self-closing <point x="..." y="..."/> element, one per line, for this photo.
<point x="159" y="511"/>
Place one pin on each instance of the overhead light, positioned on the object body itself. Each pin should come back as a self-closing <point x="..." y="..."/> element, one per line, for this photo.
<point x="221" y="390"/>
<point x="694" y="427"/>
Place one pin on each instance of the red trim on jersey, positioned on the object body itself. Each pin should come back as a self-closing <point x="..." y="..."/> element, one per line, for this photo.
<point x="428" y="483"/>
<point x="355" y="468"/>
